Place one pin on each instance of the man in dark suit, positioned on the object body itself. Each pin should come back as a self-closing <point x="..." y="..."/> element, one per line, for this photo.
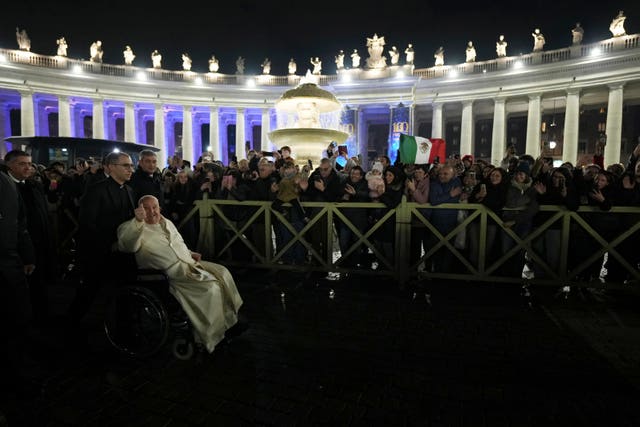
<point x="147" y="178"/>
<point x="104" y="206"/>
<point x="19" y="169"/>
<point x="17" y="260"/>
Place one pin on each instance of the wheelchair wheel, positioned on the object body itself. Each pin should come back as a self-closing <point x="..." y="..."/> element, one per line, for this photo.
<point x="183" y="348"/>
<point x="136" y="322"/>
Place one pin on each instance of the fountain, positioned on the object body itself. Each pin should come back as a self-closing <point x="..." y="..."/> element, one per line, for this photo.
<point x="308" y="117"/>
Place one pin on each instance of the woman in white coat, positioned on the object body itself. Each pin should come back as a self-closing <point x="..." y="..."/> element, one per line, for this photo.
<point x="206" y="291"/>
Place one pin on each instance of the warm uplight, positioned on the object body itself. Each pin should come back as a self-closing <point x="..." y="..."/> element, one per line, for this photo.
<point x="517" y="65"/>
<point x="345" y="77"/>
<point x="596" y="51"/>
<point x="552" y="145"/>
<point x="77" y="69"/>
<point x="116" y="150"/>
<point x="400" y="74"/>
<point x="3" y="58"/>
<point x="141" y="76"/>
<point x="251" y="83"/>
<point x="198" y="81"/>
<point x="453" y="74"/>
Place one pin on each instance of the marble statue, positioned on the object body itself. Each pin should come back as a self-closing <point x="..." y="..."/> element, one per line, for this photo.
<point x="410" y="54"/>
<point x="317" y="65"/>
<point x="62" y="47"/>
<point x="214" y="65"/>
<point x="470" y="52"/>
<point x="156" y="58"/>
<point x="95" y="50"/>
<point x="355" y="59"/>
<point x="577" y="33"/>
<point x="340" y="60"/>
<point x="617" y="25"/>
<point x="292" y="66"/>
<point x="240" y="65"/>
<point x="186" y="62"/>
<point x="24" y="42"/>
<point x="501" y="47"/>
<point x="394" y="54"/>
<point x="439" y="56"/>
<point x="128" y="55"/>
<point x="266" y="66"/>
<point x="538" y="40"/>
<point x="375" y="47"/>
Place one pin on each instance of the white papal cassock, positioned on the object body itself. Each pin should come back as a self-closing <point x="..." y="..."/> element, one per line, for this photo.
<point x="206" y="291"/>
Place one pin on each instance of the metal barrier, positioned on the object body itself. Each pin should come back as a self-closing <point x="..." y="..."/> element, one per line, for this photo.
<point x="572" y="228"/>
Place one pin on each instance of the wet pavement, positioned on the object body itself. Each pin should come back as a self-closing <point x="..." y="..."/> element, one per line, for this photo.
<point x="363" y="352"/>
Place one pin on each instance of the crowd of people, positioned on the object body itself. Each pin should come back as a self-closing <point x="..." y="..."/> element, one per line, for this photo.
<point x="100" y="195"/>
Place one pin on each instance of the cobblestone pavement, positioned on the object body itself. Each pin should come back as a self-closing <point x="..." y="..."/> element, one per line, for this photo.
<point x="363" y="352"/>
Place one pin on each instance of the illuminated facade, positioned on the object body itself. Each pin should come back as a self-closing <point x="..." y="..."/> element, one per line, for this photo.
<point x="567" y="96"/>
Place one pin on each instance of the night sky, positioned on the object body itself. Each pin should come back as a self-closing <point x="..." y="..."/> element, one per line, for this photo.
<point x="283" y="29"/>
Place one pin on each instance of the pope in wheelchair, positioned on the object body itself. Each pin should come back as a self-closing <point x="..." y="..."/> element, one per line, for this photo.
<point x="205" y="290"/>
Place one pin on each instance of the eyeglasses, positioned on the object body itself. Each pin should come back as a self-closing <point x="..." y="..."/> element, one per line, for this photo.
<point x="125" y="165"/>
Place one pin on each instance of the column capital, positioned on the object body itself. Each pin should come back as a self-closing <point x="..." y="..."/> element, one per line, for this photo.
<point x="535" y="96"/>
<point x="615" y="86"/>
<point x="574" y="91"/>
<point x="468" y="102"/>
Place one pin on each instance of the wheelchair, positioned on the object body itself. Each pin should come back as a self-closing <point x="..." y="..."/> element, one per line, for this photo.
<point x="142" y="316"/>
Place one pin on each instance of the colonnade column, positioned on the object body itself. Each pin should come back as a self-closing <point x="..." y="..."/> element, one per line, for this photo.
<point x="187" y="134"/>
<point x="437" y="121"/>
<point x="64" y="116"/>
<point x="614" y="124"/>
<point x="5" y="128"/>
<point x="129" y="122"/>
<point x="98" y="118"/>
<point x="412" y="119"/>
<point x="533" y="126"/>
<point x="265" y="128"/>
<point x="571" y="126"/>
<point x="240" y="154"/>
<point x="466" y="129"/>
<point x="27" y="117"/>
<point x="159" y="132"/>
<point x="214" y="132"/>
<point x="361" y="132"/>
<point x="499" y="133"/>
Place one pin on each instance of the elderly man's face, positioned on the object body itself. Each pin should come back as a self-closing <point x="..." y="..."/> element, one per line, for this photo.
<point x="152" y="210"/>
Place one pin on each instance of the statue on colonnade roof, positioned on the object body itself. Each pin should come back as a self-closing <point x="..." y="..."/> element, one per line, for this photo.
<point x="156" y="58"/>
<point x="266" y="66"/>
<point x="214" y="65"/>
<point x="186" y="62"/>
<point x="292" y="66"/>
<point x="394" y="54"/>
<point x="62" y="47"/>
<point x="128" y="55"/>
<point x="501" y="47"/>
<point x="439" y="56"/>
<point x="577" y="33"/>
<point x="410" y="54"/>
<point x="617" y="25"/>
<point x="340" y="60"/>
<point x="240" y="65"/>
<point x="470" y="52"/>
<point x="538" y="40"/>
<point x="317" y="65"/>
<point x="375" y="46"/>
<point x="24" y="42"/>
<point x="355" y="59"/>
<point x="95" y="51"/>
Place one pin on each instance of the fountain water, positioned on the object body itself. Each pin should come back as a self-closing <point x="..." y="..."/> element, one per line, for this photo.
<point x="308" y="117"/>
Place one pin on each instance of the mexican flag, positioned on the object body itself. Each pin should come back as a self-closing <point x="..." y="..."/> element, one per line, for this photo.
<point x="419" y="150"/>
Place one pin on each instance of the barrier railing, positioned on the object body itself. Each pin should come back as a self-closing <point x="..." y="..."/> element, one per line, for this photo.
<point x="220" y="236"/>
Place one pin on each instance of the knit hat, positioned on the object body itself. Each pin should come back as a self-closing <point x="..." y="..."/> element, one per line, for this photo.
<point x="377" y="166"/>
<point x="523" y="167"/>
<point x="468" y="157"/>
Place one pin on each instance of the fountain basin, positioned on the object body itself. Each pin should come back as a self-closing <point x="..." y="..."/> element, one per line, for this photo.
<point x="307" y="143"/>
